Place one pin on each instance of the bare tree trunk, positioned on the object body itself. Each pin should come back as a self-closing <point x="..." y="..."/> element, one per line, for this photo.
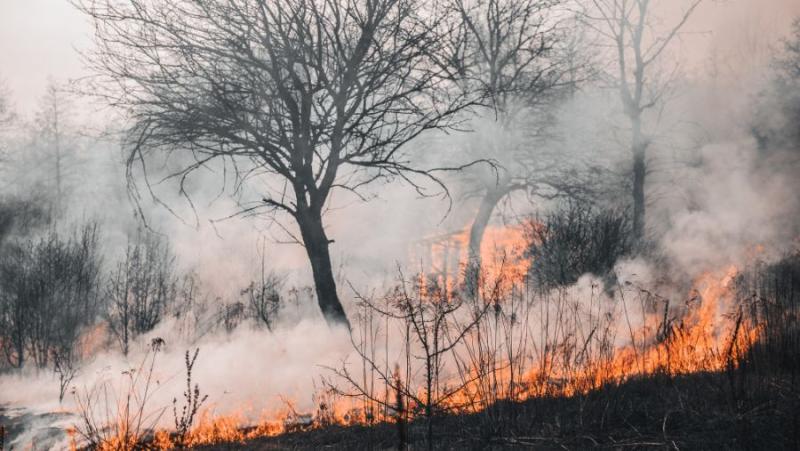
<point x="428" y="402"/>
<point x="317" y="247"/>
<point x="57" y="136"/>
<point x="20" y="350"/>
<point x="639" y="149"/>
<point x="488" y="203"/>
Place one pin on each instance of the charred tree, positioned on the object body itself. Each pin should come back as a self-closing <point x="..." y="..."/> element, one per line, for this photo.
<point x="308" y="96"/>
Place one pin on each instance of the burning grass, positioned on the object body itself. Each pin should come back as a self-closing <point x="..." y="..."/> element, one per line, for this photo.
<point x="694" y="411"/>
<point x="432" y="353"/>
<point x="509" y="351"/>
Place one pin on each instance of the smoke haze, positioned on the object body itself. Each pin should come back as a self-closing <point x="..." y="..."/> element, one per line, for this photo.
<point x="718" y="199"/>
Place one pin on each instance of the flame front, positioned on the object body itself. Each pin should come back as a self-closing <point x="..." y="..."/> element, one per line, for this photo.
<point x="596" y="342"/>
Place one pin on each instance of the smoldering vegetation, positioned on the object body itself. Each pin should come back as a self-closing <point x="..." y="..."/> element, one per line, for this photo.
<point x="402" y="224"/>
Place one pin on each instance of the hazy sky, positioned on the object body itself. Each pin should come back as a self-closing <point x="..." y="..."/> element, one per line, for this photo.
<point x="38" y="40"/>
<point x="38" y="37"/>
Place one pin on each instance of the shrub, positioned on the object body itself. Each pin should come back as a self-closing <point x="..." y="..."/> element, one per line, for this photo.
<point x="575" y="240"/>
<point x="141" y="288"/>
<point x="48" y="295"/>
<point x="773" y="291"/>
<point x="264" y="298"/>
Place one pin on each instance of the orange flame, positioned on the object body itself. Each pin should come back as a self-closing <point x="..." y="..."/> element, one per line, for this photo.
<point x="502" y="252"/>
<point x="710" y="333"/>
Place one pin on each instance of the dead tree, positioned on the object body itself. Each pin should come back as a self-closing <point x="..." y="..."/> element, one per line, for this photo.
<point x="514" y="52"/>
<point x="638" y="47"/>
<point x="311" y="96"/>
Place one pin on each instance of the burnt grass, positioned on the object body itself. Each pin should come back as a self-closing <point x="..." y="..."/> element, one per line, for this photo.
<point x="737" y="409"/>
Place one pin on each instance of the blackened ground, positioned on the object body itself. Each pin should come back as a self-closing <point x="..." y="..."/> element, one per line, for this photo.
<point x="730" y="410"/>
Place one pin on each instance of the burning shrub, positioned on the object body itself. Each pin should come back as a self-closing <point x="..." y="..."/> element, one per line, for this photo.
<point x="576" y="240"/>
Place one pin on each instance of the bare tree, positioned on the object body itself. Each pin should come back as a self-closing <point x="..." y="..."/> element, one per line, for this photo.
<point x="14" y="309"/>
<point x="48" y="295"/>
<point x="312" y="95"/>
<point x="776" y="124"/>
<point x="514" y="51"/>
<point x="638" y="46"/>
<point x="55" y="140"/>
<point x="141" y="288"/>
<point x="191" y="309"/>
<point x="7" y="116"/>
<point x="427" y="313"/>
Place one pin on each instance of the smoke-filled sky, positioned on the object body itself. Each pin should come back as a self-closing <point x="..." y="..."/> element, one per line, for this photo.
<point x="39" y="38"/>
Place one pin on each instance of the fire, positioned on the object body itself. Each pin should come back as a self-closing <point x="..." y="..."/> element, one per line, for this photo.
<point x="92" y="339"/>
<point x="502" y="250"/>
<point x="705" y="338"/>
<point x="711" y="335"/>
<point x="214" y="429"/>
<point x="709" y="332"/>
